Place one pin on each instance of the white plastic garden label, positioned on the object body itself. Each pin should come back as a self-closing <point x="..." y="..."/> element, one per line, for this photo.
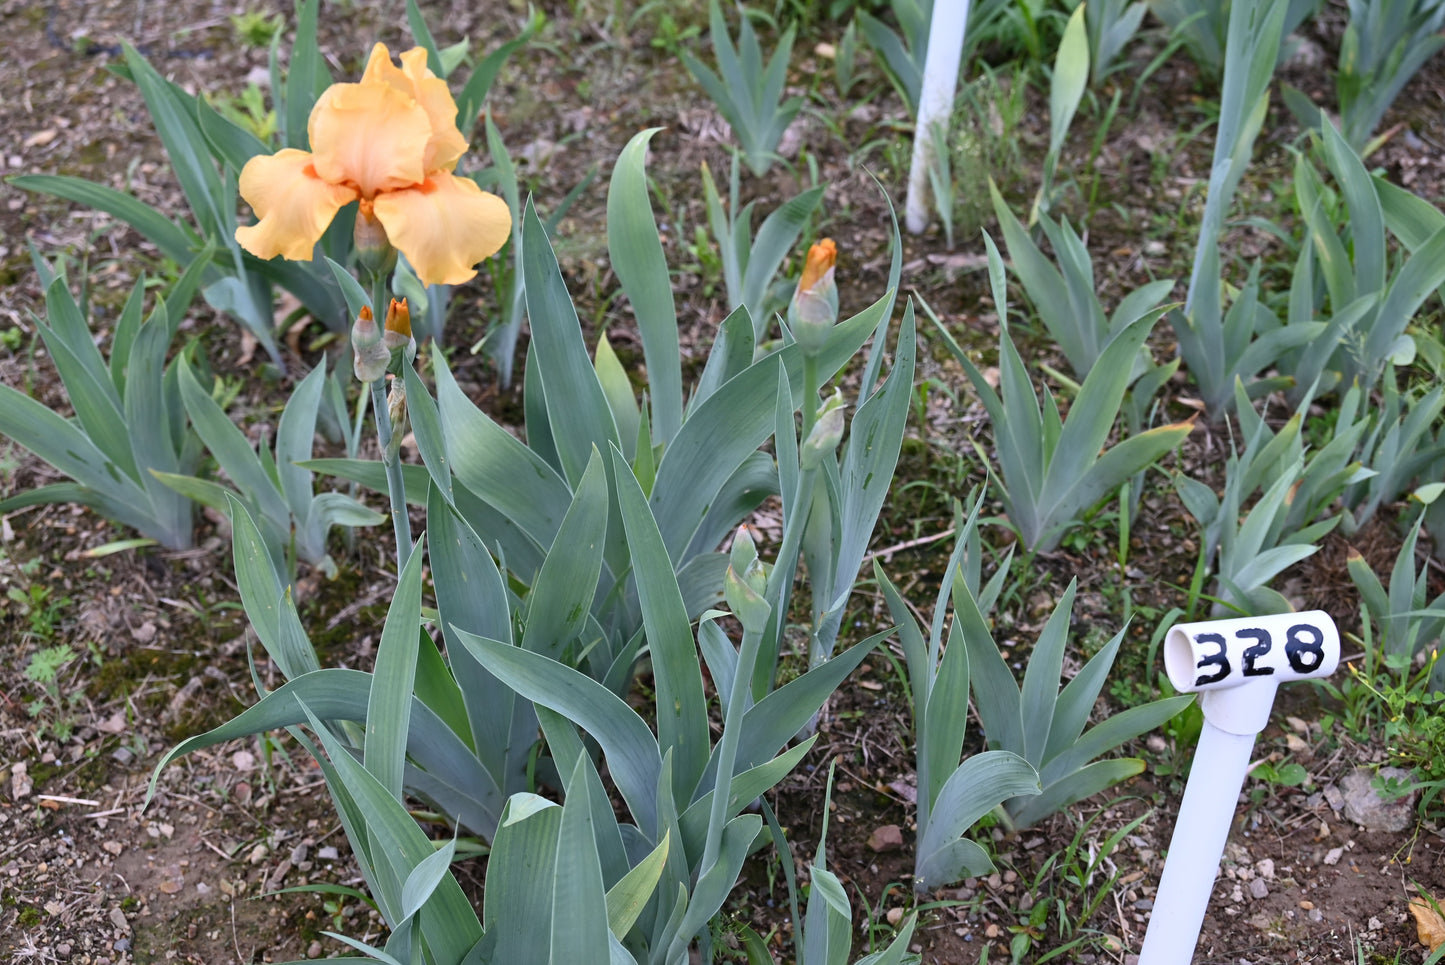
<point x="1235" y="666"/>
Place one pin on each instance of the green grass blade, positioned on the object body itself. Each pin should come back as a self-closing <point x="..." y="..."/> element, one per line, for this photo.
<point x="1040" y="690"/>
<point x="1071" y="76"/>
<point x="561" y="596"/>
<point x="186" y="146"/>
<point x="1076" y="700"/>
<point x="631" y="749"/>
<point x="681" y="704"/>
<point x="1082" y="784"/>
<point x="497" y="467"/>
<point x="388" y="707"/>
<point x="58" y="442"/>
<point x="447" y="922"/>
<point x="426" y="428"/>
<point x="176" y="243"/>
<point x="627" y="898"/>
<point x="579" y="902"/>
<point x="576" y="406"/>
<point x="1110" y="733"/>
<point x="306" y="77"/>
<point x="517" y="902"/>
<point x="295" y="435"/>
<point x="944" y="723"/>
<point x="474" y="93"/>
<point x="979" y="785"/>
<point x="995" y="692"/>
<point x="777" y="236"/>
<point x="641" y="266"/>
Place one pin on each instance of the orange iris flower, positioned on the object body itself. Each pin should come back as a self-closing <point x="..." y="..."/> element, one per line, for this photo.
<point x="389" y="142"/>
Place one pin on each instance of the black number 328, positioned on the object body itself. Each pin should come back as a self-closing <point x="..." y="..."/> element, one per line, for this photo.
<point x="1303" y="648"/>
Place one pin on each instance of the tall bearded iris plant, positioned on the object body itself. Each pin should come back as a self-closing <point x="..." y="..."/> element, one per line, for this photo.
<point x="390" y="144"/>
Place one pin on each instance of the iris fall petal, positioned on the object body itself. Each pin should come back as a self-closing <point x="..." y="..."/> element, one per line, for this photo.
<point x="445" y="227"/>
<point x="294" y="205"/>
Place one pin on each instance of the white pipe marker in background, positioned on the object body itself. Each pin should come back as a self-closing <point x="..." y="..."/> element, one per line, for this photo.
<point x="935" y="102"/>
<point x="1235" y="666"/>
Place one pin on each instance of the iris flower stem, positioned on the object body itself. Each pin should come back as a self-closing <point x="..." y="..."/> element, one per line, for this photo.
<point x="810" y="394"/>
<point x="798" y="508"/>
<point x="780" y="581"/>
<point x="395" y="485"/>
<point x="728" y="746"/>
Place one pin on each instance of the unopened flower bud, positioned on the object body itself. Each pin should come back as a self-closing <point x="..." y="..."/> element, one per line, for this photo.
<point x="398" y="325"/>
<point x="746" y="583"/>
<point x="826" y="433"/>
<point x="744" y="551"/>
<point x="396" y="411"/>
<point x="814" y="308"/>
<point x="371" y="356"/>
<point x="373" y="247"/>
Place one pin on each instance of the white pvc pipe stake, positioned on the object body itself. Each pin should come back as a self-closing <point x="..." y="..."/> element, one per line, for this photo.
<point x="1235" y="666"/>
<point x="935" y="103"/>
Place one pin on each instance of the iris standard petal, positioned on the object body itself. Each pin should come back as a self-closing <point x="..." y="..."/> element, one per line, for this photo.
<point x="369" y="135"/>
<point x="293" y="204"/>
<point x="445" y="227"/>
<point x="447" y="143"/>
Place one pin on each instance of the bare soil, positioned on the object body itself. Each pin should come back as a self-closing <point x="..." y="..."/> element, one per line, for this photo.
<point x="88" y="874"/>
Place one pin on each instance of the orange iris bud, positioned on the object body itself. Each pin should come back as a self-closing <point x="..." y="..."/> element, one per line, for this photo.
<point x="364" y="332"/>
<point x="390" y="142"/>
<point x="398" y="324"/>
<point x="815" y="304"/>
<point x="370" y="354"/>
<point x="821" y="259"/>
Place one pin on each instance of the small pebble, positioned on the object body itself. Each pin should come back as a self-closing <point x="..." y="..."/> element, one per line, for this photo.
<point x="1258" y="888"/>
<point x="313" y="950"/>
<point x="1334" y="856"/>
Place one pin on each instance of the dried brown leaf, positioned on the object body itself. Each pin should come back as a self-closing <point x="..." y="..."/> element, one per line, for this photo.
<point x="1429" y="926"/>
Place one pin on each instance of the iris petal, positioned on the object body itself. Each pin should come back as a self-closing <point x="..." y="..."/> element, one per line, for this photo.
<point x="445" y="227"/>
<point x="370" y="135"/>
<point x="447" y="143"/>
<point x="293" y="204"/>
<point x="431" y="94"/>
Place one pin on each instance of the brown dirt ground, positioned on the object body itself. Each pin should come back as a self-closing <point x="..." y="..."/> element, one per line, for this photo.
<point x="87" y="876"/>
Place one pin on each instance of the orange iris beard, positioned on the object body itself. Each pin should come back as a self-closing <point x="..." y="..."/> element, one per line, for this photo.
<point x="390" y="142"/>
